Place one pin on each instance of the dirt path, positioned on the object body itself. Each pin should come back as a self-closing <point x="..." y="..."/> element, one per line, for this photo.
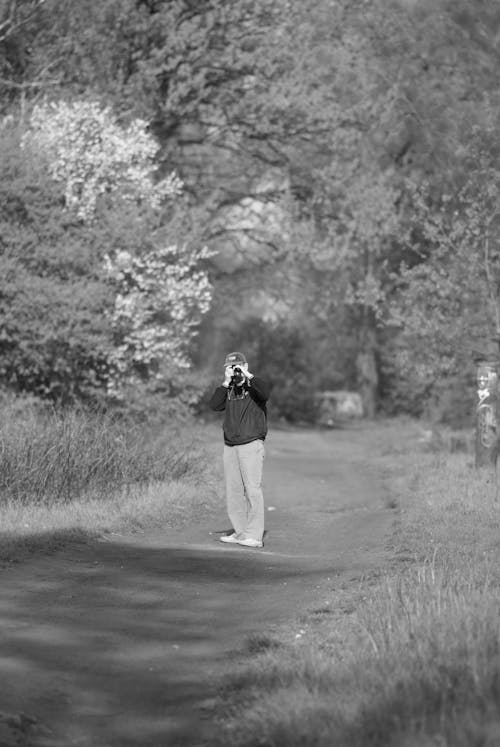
<point x="113" y="643"/>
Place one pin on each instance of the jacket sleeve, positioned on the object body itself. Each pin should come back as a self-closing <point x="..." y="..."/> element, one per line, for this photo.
<point x="218" y="399"/>
<point x="260" y="388"/>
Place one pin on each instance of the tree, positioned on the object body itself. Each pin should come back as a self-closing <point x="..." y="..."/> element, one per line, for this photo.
<point x="92" y="155"/>
<point x="400" y="119"/>
<point x="448" y="305"/>
<point x="160" y="299"/>
<point x="101" y="178"/>
<point x="19" y="22"/>
<point x="295" y="128"/>
<point x="54" y="336"/>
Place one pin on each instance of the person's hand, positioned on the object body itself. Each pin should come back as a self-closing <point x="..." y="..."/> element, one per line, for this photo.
<point x="228" y="375"/>
<point x="246" y="372"/>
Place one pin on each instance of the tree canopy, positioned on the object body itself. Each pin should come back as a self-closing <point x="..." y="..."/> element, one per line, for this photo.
<point x="338" y="159"/>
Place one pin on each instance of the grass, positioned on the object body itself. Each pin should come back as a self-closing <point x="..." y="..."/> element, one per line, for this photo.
<point x="407" y="658"/>
<point x="65" y="476"/>
<point x="51" y="457"/>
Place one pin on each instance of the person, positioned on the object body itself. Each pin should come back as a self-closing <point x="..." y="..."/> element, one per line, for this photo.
<point x="242" y="397"/>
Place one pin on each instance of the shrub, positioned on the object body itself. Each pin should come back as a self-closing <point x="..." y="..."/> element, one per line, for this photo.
<point x="54" y="332"/>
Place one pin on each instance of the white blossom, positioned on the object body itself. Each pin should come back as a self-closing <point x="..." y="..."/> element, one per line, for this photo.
<point x="161" y="297"/>
<point x="91" y="154"/>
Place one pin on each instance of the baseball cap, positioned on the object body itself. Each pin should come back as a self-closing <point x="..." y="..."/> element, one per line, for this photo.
<point x="233" y="359"/>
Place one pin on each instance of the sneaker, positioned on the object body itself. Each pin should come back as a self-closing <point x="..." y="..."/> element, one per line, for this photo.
<point x="228" y="537"/>
<point x="250" y="542"/>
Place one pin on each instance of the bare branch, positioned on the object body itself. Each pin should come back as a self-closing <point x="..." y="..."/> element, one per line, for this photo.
<point x="11" y="25"/>
<point x="33" y="84"/>
<point x="229" y="233"/>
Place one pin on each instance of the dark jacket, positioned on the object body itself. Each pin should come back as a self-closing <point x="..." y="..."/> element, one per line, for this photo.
<point x="245" y="416"/>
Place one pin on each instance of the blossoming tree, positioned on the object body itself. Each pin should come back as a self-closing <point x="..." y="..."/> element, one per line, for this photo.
<point x="160" y="292"/>
<point x="161" y="297"/>
<point x="92" y="154"/>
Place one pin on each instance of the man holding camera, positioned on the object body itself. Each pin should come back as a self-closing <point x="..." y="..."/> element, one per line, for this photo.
<point x="243" y="396"/>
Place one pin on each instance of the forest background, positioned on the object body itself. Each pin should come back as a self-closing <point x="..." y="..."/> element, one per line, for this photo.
<point x="314" y="183"/>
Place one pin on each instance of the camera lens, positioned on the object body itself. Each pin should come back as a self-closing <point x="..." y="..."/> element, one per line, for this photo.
<point x="238" y="377"/>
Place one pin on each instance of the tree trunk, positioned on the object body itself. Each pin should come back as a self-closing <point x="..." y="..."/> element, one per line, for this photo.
<point x="486" y="448"/>
<point x="367" y="375"/>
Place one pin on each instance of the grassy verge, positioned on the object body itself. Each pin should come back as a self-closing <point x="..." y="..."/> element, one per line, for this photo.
<point x="68" y="476"/>
<point x="407" y="657"/>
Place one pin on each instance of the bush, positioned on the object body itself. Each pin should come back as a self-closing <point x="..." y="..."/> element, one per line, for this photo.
<point x="446" y="398"/>
<point x="54" y="303"/>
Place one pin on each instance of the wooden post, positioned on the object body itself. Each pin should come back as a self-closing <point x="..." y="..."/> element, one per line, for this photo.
<point x="486" y="412"/>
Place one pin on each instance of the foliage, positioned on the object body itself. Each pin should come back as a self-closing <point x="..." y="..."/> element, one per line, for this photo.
<point x="160" y="293"/>
<point x="296" y="130"/>
<point x="141" y="301"/>
<point x="448" y="306"/>
<point x="53" y="299"/>
<point x="160" y="298"/>
<point x="91" y="154"/>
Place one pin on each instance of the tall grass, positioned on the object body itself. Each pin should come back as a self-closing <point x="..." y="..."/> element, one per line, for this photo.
<point x="68" y="475"/>
<point x="416" y="661"/>
<point x="51" y="457"/>
<point x="418" y="664"/>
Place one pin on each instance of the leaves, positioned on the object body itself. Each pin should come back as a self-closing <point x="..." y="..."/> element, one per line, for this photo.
<point x="92" y="155"/>
<point x="77" y="319"/>
<point x="340" y="157"/>
<point x="160" y="299"/>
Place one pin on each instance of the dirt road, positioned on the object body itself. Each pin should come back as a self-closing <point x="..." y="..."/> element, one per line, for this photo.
<point x="114" y="643"/>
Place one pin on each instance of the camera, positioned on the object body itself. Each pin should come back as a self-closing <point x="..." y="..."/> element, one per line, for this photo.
<point x="238" y="376"/>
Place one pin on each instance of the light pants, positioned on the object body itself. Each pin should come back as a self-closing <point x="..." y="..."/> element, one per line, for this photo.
<point x="245" y="502"/>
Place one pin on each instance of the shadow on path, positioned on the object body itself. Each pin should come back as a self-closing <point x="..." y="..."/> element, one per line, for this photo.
<point x="123" y="636"/>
